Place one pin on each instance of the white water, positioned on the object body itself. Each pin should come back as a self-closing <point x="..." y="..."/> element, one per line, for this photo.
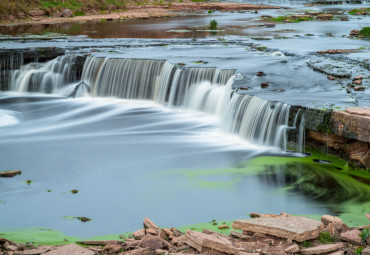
<point x="202" y="89"/>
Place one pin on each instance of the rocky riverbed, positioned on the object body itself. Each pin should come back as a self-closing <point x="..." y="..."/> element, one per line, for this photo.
<point x="261" y="234"/>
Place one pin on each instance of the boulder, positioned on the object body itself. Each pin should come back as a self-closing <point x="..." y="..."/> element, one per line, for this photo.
<point x="138" y="234"/>
<point x="168" y="233"/>
<point x="294" y="248"/>
<point x="67" y="13"/>
<point x="326" y="219"/>
<point x="152" y="242"/>
<point x="70" y="249"/>
<point x="200" y="241"/>
<point x="325" y="248"/>
<point x="357" y="82"/>
<point x="352" y="236"/>
<point x="331" y="77"/>
<point x="293" y="227"/>
<point x="112" y="249"/>
<point x="150" y="224"/>
<point x="151" y="231"/>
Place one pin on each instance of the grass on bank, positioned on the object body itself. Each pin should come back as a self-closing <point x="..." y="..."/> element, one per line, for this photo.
<point x="21" y="8"/>
<point x="291" y="19"/>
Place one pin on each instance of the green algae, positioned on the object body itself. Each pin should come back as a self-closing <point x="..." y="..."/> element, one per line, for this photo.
<point x="37" y="236"/>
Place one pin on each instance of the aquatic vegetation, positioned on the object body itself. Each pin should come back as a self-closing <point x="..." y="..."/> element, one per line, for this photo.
<point x="291" y="19"/>
<point x="359" y="11"/>
<point x="365" y="31"/>
<point x="213" y="24"/>
<point x="210" y="11"/>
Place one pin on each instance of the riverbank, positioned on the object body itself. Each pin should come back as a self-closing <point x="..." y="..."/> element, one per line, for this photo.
<point x="131" y="11"/>
<point x="260" y="234"/>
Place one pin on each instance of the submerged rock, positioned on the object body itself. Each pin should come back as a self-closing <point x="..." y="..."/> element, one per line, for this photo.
<point x="81" y="90"/>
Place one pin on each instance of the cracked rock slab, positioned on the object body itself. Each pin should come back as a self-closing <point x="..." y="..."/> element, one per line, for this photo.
<point x="293" y="228"/>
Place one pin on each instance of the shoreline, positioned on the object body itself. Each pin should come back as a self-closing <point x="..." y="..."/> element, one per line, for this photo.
<point x="142" y="12"/>
<point x="260" y="234"/>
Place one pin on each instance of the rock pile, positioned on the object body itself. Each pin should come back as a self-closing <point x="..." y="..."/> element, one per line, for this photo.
<point x="261" y="234"/>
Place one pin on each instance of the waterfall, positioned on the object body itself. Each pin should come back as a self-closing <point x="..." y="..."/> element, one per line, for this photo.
<point x="44" y="77"/>
<point x="257" y="120"/>
<point x="205" y="89"/>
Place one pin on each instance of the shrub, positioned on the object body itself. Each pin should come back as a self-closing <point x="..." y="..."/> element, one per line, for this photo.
<point x="213" y="24"/>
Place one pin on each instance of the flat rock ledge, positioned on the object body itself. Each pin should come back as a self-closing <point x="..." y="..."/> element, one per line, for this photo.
<point x="293" y="227"/>
<point x="283" y="237"/>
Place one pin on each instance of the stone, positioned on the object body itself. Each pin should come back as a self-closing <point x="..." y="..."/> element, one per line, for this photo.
<point x="70" y="249"/>
<point x="161" y="252"/>
<point x="325" y="16"/>
<point x="9" y="247"/>
<point x="359" y="88"/>
<point x="176" y="232"/>
<point x="264" y="84"/>
<point x="260" y="73"/>
<point x="67" y="13"/>
<point x="151" y="231"/>
<point x="336" y="253"/>
<point x="37" y="251"/>
<point x="140" y="251"/>
<point x="366" y="251"/>
<point x="357" y="82"/>
<point x="10" y="173"/>
<point x="168" y="233"/>
<point x="293" y="227"/>
<point x="360" y="77"/>
<point x="235" y="234"/>
<point x="358" y="111"/>
<point x="223" y="227"/>
<point x="178" y="241"/>
<point x="131" y="243"/>
<point x="254" y="215"/>
<point x="294" y="248"/>
<point x="112" y="249"/>
<point x="352" y="236"/>
<point x="326" y="219"/>
<point x="331" y="77"/>
<point x="351" y="125"/>
<point x="102" y="242"/>
<point x="200" y="241"/>
<point x="152" y="242"/>
<point x="150" y="224"/>
<point x="325" y="248"/>
<point x="138" y="234"/>
<point x="36" y="13"/>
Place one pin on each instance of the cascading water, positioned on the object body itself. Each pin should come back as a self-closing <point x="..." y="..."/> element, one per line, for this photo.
<point x="44" y="77"/>
<point x="206" y="89"/>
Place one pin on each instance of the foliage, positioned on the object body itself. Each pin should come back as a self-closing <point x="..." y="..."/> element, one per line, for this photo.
<point x="365" y="32"/>
<point x="326" y="238"/>
<point x="365" y="234"/>
<point x="210" y="11"/>
<point x="358" y="251"/>
<point x="306" y="244"/>
<point x="213" y="24"/>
